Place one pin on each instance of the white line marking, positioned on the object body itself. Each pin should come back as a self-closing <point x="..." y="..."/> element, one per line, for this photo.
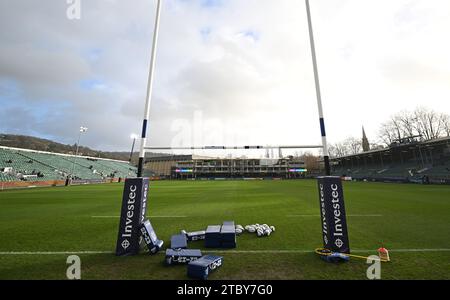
<point x="294" y="216"/>
<point x="217" y="251"/>
<point x="420" y="250"/>
<point x="147" y="216"/>
<point x="54" y="252"/>
<point x="312" y="251"/>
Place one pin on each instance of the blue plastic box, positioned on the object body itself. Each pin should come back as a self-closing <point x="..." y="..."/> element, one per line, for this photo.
<point x="213" y="237"/>
<point x="228" y="236"/>
<point x="201" y="268"/>
<point x="182" y="256"/>
<point x="178" y="241"/>
<point x="196" y="235"/>
<point x="150" y="238"/>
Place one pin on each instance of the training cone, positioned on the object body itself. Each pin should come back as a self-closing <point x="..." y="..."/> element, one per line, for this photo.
<point x="383" y="253"/>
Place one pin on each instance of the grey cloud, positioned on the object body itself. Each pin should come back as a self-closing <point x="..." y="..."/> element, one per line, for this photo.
<point x="262" y="90"/>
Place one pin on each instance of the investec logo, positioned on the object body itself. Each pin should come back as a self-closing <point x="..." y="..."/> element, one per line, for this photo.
<point x="215" y="264"/>
<point x="144" y="202"/>
<point x="324" y="218"/>
<point x="336" y="199"/>
<point x="130" y="214"/>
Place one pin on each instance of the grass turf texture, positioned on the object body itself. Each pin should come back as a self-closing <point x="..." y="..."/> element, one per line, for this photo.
<point x="60" y="219"/>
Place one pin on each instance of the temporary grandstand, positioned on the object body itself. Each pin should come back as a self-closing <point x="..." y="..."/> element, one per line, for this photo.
<point x="412" y="161"/>
<point x="23" y="165"/>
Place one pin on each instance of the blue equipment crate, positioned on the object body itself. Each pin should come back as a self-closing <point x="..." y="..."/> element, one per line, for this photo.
<point x="201" y="268"/>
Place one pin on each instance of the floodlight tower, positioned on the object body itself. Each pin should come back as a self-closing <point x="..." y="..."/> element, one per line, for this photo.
<point x="82" y="130"/>
<point x="133" y="137"/>
<point x="326" y="157"/>
<point x="149" y="91"/>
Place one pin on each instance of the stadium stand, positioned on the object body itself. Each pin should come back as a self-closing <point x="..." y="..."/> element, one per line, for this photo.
<point x="27" y="165"/>
<point x="424" y="162"/>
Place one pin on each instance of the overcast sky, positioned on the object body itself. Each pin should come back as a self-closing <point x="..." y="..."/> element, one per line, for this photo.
<point x="232" y="72"/>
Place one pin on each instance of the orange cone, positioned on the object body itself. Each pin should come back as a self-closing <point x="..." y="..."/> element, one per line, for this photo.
<point x="383" y="253"/>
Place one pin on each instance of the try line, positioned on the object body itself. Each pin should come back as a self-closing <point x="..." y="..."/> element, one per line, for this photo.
<point x="148" y="216"/>
<point x="312" y="215"/>
<point x="217" y="251"/>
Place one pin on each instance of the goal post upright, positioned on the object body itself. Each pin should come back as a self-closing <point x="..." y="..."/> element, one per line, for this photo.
<point x="331" y="193"/>
<point x="326" y="157"/>
<point x="142" y="149"/>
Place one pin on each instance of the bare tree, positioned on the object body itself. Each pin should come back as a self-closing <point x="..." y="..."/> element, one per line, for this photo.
<point x="422" y="122"/>
<point x="353" y="145"/>
<point x="349" y="146"/>
<point x="311" y="160"/>
<point x="338" y="150"/>
<point x="387" y="133"/>
<point x="428" y="123"/>
<point x="407" y="123"/>
<point x="445" y="121"/>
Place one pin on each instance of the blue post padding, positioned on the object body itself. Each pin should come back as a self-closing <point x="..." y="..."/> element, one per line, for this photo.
<point x="322" y="127"/>
<point x="144" y="129"/>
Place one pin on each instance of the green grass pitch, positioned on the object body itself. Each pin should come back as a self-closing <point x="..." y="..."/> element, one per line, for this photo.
<point x="39" y="228"/>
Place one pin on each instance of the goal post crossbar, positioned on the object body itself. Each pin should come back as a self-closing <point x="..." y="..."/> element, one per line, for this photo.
<point x="237" y="147"/>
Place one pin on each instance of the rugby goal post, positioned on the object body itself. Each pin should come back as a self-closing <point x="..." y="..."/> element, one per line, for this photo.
<point x="144" y="147"/>
<point x="332" y="210"/>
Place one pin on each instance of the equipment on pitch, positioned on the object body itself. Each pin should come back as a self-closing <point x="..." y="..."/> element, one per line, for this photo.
<point x="149" y="237"/>
<point x="134" y="204"/>
<point x="218" y="236"/>
<point x="212" y="236"/>
<point x="178" y="241"/>
<point x="332" y="257"/>
<point x="194" y="236"/>
<point x="201" y="268"/>
<point x="335" y="257"/>
<point x="239" y="229"/>
<point x="261" y="230"/>
<point x="332" y="213"/>
<point x="228" y="235"/>
<point x="383" y="254"/>
<point x="182" y="256"/>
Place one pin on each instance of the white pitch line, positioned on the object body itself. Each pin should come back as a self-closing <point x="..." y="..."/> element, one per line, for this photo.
<point x="53" y="252"/>
<point x="311" y="251"/>
<point x="420" y="250"/>
<point x="294" y="216"/>
<point x="115" y="217"/>
<point x="218" y="251"/>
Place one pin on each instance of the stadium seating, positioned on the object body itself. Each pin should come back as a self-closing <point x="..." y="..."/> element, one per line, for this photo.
<point x="22" y="165"/>
<point x="407" y="172"/>
<point x="14" y="163"/>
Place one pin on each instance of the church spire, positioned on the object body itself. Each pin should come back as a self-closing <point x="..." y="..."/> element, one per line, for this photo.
<point x="365" y="141"/>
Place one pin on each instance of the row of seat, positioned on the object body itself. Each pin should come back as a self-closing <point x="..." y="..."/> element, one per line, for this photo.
<point x="396" y="171"/>
<point x="48" y="166"/>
